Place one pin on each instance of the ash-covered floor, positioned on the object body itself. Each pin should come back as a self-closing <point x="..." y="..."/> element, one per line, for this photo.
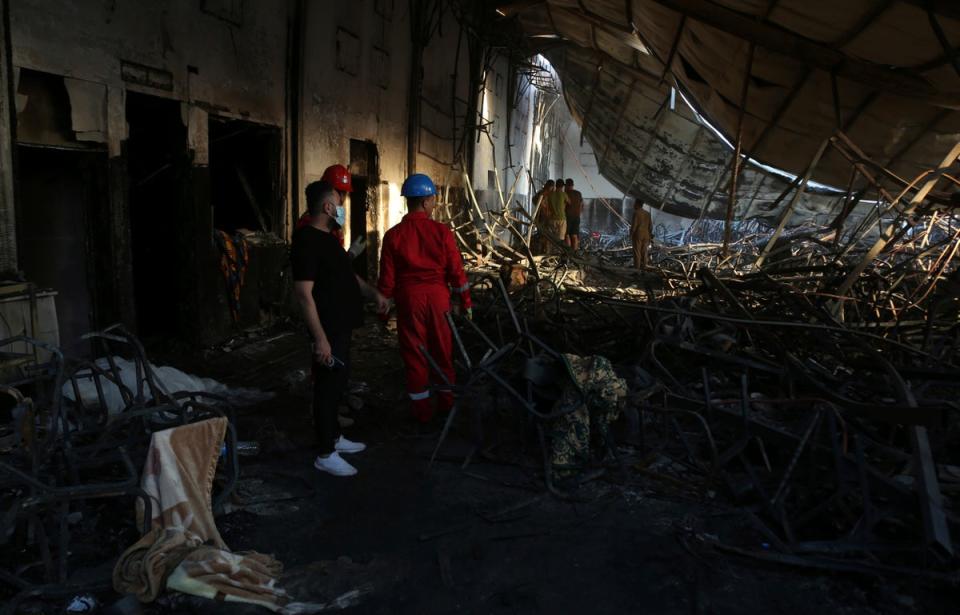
<point x="485" y="538"/>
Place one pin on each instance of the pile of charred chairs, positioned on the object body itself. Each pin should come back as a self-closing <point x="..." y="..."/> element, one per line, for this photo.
<point x="67" y="445"/>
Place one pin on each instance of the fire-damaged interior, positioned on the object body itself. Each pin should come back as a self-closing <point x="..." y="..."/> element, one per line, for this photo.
<point x="433" y="306"/>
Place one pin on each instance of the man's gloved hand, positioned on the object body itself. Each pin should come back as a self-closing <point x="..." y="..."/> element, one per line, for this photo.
<point x="357" y="246"/>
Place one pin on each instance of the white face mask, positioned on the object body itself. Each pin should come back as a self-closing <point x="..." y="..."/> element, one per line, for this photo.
<point x="341" y="215"/>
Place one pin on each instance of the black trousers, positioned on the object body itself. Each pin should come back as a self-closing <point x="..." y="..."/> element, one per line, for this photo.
<point x="329" y="387"/>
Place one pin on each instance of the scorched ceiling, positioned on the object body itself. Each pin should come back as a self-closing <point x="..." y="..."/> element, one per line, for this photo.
<point x="884" y="73"/>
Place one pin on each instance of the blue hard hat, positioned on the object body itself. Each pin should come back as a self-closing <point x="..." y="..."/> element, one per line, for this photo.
<point x="418" y="184"/>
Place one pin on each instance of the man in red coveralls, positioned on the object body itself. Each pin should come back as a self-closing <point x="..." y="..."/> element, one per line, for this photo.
<point x="419" y="265"/>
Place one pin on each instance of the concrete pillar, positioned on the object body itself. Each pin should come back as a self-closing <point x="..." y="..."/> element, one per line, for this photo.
<point x="8" y="227"/>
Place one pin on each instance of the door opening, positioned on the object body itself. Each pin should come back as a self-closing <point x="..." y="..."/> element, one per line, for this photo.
<point x="364" y="203"/>
<point x="156" y="163"/>
<point x="59" y="232"/>
<point x="245" y="175"/>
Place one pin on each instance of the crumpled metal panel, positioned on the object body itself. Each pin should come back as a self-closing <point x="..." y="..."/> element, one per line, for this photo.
<point x="666" y="157"/>
<point x="893" y="90"/>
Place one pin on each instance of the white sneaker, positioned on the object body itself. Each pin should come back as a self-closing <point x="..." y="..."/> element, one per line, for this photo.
<point x="334" y="464"/>
<point x="348" y="446"/>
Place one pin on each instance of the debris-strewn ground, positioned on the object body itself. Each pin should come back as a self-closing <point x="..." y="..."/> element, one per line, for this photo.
<point x="486" y="539"/>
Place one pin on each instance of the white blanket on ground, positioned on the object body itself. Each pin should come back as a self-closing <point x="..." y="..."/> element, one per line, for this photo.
<point x="170" y="379"/>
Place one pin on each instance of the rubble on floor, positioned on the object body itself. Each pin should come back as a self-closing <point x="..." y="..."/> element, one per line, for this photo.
<point x="810" y="378"/>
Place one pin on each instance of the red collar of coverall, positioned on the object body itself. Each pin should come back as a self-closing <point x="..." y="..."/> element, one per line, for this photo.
<point x="417" y="214"/>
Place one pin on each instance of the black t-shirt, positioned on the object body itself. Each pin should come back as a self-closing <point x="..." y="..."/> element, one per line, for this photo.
<point x="318" y="256"/>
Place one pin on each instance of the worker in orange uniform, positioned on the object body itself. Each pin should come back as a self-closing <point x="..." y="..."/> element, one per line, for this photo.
<point x="419" y="265"/>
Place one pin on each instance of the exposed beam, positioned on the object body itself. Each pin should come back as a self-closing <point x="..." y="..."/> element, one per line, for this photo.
<point x="780" y="112"/>
<point x="508" y="9"/>
<point x="812" y="53"/>
<point x="593" y="95"/>
<point x="887" y="234"/>
<point x="864" y="104"/>
<point x="639" y="74"/>
<point x="939" y="117"/>
<point x="947" y="8"/>
<point x="845" y="146"/>
<point x="835" y="90"/>
<point x="622" y="32"/>
<point x="862" y="24"/>
<point x="788" y="210"/>
<point x="616" y="126"/>
<point x="661" y="113"/>
<point x="684" y="167"/>
<point x="768" y="129"/>
<point x="738" y="148"/>
<point x="948" y="49"/>
<point x="673" y="48"/>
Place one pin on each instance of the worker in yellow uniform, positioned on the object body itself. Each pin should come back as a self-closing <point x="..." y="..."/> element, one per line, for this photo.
<point x="557" y="224"/>
<point x="641" y="232"/>
<point x="541" y="217"/>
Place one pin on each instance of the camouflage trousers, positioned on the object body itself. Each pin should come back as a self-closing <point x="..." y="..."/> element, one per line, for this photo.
<point x="592" y="405"/>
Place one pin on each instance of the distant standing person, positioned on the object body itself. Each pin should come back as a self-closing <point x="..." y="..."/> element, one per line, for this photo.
<point x="641" y="231"/>
<point x="574" y="210"/>
<point x="541" y="212"/>
<point x="331" y="300"/>
<point x="557" y="224"/>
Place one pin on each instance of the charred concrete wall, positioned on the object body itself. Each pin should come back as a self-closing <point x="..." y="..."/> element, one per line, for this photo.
<point x="323" y="82"/>
<point x="211" y="58"/>
<point x="357" y="61"/>
<point x="520" y="137"/>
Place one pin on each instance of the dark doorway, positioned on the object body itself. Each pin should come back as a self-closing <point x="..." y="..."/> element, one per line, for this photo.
<point x="61" y="194"/>
<point x="156" y="163"/>
<point x="364" y="202"/>
<point x="245" y="175"/>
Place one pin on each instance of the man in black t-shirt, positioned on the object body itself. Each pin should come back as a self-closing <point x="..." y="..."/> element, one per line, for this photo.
<point x="331" y="300"/>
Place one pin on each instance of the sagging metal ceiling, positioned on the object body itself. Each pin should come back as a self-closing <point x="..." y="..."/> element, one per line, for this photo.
<point x="884" y="72"/>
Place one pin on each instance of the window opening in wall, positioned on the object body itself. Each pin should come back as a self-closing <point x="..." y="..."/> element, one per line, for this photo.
<point x="348" y="52"/>
<point x="245" y="176"/>
<point x="365" y="203"/>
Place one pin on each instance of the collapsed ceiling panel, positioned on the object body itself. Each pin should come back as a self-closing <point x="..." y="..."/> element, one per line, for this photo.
<point x="883" y="72"/>
<point x="667" y="157"/>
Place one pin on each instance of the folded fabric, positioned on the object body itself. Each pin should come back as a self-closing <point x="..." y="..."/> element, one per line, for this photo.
<point x="184" y="551"/>
<point x="230" y="577"/>
<point x="143" y="568"/>
<point x="176" y="559"/>
<point x="178" y="478"/>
